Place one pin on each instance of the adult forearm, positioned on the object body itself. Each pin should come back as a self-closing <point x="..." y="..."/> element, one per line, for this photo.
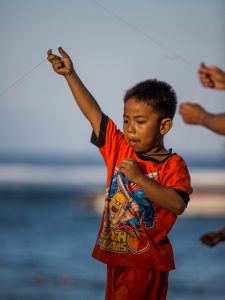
<point x="214" y="122"/>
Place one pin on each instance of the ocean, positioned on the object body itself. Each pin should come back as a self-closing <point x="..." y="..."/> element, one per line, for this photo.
<point x="49" y="219"/>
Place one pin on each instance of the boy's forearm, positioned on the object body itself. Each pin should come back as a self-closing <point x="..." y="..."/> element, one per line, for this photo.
<point x="165" y="197"/>
<point x="86" y="102"/>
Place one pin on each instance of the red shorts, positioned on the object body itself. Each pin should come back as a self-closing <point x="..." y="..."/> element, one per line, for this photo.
<point x="136" y="284"/>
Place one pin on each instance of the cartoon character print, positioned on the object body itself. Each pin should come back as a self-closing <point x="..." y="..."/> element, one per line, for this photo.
<point x="126" y="211"/>
<point x="128" y="203"/>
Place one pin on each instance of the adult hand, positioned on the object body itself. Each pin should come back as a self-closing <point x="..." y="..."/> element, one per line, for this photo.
<point x="212" y="77"/>
<point x="211" y="239"/>
<point x="192" y="113"/>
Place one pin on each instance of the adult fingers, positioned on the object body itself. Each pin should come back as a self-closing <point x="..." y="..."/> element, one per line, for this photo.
<point x="202" y="68"/>
<point x="49" y="52"/>
<point x="186" y="105"/>
<point x="207" y="82"/>
<point x="209" y="70"/>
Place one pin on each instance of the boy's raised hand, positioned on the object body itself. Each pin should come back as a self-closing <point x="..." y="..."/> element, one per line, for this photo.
<point x="61" y="64"/>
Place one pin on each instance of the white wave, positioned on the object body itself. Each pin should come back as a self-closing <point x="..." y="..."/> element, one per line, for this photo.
<point x="86" y="174"/>
<point x="208" y="178"/>
<point x="51" y="174"/>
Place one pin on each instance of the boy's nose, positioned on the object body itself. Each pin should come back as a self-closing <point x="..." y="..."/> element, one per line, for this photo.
<point x="131" y="128"/>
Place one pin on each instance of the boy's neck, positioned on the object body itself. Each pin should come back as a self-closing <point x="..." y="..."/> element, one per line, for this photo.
<point x="159" y="153"/>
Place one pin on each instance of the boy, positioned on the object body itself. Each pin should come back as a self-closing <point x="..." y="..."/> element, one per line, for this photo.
<point x="147" y="186"/>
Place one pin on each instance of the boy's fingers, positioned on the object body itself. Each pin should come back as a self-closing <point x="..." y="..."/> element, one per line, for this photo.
<point x="51" y="56"/>
<point x="62" y="52"/>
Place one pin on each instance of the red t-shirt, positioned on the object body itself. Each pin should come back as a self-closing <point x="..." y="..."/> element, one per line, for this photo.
<point x="128" y="238"/>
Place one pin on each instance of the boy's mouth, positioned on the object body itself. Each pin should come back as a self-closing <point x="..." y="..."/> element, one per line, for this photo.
<point x="133" y="142"/>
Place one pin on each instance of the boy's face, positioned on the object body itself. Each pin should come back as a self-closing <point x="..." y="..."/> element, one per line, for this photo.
<point x="142" y="127"/>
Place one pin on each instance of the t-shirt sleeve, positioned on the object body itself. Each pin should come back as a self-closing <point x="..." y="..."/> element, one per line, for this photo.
<point x="184" y="196"/>
<point x="100" y="140"/>
<point x="177" y="177"/>
<point x="110" y="139"/>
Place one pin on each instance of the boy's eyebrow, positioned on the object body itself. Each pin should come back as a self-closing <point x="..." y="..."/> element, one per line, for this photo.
<point x="137" y="116"/>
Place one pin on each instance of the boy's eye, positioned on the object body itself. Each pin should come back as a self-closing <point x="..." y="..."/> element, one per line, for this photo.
<point x="140" y="122"/>
<point x="125" y="121"/>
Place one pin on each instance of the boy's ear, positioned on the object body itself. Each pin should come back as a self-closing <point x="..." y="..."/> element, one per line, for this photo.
<point x="165" y="125"/>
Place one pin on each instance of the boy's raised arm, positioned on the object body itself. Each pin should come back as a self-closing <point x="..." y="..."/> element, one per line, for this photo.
<point x="88" y="105"/>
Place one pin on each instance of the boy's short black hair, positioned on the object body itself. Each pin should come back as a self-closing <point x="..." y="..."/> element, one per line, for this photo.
<point x="158" y="94"/>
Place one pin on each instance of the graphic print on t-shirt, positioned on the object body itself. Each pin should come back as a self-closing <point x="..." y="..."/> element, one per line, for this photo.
<point x="127" y="211"/>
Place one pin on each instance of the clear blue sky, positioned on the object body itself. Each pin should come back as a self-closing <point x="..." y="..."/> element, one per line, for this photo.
<point x="112" y="48"/>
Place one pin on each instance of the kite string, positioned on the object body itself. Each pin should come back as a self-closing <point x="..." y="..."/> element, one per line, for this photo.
<point x="160" y="45"/>
<point x="22" y="77"/>
<point x="152" y="39"/>
<point x="188" y="130"/>
<point x="139" y="31"/>
<point x="135" y="28"/>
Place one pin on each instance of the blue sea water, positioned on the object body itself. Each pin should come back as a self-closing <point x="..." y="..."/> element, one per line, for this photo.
<point x="47" y="238"/>
<point x="48" y="227"/>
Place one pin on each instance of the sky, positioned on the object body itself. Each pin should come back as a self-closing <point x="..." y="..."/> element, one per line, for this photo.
<point x="114" y="45"/>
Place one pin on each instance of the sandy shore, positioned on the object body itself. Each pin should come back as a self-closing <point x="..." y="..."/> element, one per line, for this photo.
<point x="208" y="198"/>
<point x="206" y="204"/>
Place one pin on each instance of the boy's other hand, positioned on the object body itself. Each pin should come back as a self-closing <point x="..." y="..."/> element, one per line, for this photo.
<point x="130" y="169"/>
<point x="61" y="64"/>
